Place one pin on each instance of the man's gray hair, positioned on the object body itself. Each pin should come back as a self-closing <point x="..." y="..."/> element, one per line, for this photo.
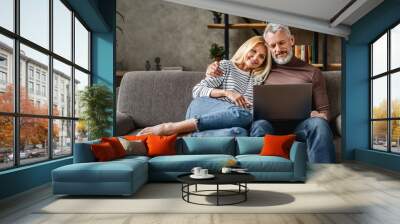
<point x="274" y="27"/>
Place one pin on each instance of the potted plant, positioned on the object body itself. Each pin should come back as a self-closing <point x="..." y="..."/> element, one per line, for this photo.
<point x="217" y="17"/>
<point x="96" y="102"/>
<point x="216" y="52"/>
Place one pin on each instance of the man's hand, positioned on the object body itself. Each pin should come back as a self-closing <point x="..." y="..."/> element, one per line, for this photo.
<point x="214" y="70"/>
<point x="315" y="113"/>
<point x="238" y="99"/>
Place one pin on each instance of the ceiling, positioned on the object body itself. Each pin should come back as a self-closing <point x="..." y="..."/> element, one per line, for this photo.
<point x="333" y="17"/>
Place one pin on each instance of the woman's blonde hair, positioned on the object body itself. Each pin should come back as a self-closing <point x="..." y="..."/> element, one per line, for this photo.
<point x="260" y="73"/>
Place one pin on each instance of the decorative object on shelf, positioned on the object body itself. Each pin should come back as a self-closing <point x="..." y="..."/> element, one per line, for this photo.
<point x="217" y="17"/>
<point x="96" y="102"/>
<point x="157" y="60"/>
<point x="303" y="52"/>
<point x="216" y="52"/>
<point x="147" y="66"/>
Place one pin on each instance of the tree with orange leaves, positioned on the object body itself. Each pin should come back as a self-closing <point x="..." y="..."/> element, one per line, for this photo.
<point x="33" y="130"/>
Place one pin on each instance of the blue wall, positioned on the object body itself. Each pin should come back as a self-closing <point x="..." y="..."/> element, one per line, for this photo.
<point x="356" y="92"/>
<point x="99" y="15"/>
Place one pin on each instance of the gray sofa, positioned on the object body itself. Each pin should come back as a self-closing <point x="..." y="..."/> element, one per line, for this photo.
<point x="147" y="98"/>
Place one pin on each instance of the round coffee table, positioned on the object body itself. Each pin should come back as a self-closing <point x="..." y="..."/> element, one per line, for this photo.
<point x="238" y="179"/>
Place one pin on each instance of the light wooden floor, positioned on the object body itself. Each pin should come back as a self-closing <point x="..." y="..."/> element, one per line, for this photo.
<point x="377" y="188"/>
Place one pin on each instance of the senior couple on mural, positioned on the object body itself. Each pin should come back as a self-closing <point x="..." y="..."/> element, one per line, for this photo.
<point x="222" y="102"/>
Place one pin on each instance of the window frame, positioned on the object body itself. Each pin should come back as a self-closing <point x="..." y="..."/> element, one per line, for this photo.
<point x="16" y="114"/>
<point x="388" y="74"/>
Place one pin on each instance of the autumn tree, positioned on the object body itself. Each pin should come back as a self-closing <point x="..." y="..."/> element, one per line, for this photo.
<point x="380" y="127"/>
<point x="33" y="130"/>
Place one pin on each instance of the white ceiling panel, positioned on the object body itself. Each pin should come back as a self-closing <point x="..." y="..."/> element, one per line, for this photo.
<point x="315" y="15"/>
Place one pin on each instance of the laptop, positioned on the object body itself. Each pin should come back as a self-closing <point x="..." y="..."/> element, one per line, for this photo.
<point x="283" y="102"/>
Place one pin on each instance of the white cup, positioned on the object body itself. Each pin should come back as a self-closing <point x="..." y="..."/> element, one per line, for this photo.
<point x="226" y="170"/>
<point x="196" y="171"/>
<point x="203" y="172"/>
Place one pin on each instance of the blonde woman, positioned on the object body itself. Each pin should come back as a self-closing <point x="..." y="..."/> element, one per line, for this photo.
<point x="223" y="106"/>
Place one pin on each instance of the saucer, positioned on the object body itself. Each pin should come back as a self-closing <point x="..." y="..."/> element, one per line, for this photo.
<point x="208" y="176"/>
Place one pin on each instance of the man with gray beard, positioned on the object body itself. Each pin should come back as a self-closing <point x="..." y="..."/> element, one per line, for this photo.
<point x="287" y="69"/>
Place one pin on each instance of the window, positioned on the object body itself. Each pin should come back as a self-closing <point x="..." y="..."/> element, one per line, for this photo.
<point x="54" y="126"/>
<point x="62" y="31"/>
<point x="30" y="72"/>
<point x="3" y="78"/>
<point x="3" y="61"/>
<point x="44" y="91"/>
<point x="37" y="74"/>
<point x="30" y="87"/>
<point x="43" y="77"/>
<point x="7" y="14"/>
<point x="3" y="72"/>
<point x="34" y="21"/>
<point x="38" y="89"/>
<point x="385" y="94"/>
<point x="81" y="45"/>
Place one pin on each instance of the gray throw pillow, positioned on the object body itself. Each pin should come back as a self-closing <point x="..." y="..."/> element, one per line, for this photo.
<point x="136" y="148"/>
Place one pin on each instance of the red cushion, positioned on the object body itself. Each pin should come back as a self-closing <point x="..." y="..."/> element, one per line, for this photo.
<point x="277" y="145"/>
<point x="116" y="145"/>
<point x="103" y="151"/>
<point x="161" y="145"/>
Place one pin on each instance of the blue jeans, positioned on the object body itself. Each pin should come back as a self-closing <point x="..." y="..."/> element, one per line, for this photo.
<point x="315" y="132"/>
<point x="218" y="118"/>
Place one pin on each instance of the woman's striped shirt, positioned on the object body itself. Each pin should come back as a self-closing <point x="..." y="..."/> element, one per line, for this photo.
<point x="233" y="79"/>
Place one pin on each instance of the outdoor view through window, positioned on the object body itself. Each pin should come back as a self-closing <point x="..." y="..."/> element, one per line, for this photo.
<point x="385" y="82"/>
<point x="32" y="130"/>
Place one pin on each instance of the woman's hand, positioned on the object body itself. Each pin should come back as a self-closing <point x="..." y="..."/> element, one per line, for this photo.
<point x="238" y="99"/>
<point x="214" y="70"/>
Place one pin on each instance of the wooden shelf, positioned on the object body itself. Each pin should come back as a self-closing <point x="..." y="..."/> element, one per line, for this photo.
<point x="238" y="26"/>
<point x="318" y="65"/>
<point x="331" y="67"/>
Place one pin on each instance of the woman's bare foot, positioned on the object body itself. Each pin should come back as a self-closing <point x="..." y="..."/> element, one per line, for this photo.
<point x="171" y="128"/>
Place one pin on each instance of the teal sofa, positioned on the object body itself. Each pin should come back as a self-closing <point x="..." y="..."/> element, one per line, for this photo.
<point x="125" y="176"/>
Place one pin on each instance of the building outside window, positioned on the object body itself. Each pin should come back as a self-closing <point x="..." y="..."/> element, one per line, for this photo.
<point x="385" y="91"/>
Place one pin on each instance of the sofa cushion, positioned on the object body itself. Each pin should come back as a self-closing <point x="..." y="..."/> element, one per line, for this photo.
<point x="257" y="163"/>
<point x="277" y="145"/>
<point x="249" y="145"/>
<point x="116" y="145"/>
<point x="161" y="145"/>
<point x="103" y="152"/>
<point x="112" y="171"/>
<point x="185" y="163"/>
<point x="155" y="97"/>
<point x="207" y="145"/>
<point x="136" y="147"/>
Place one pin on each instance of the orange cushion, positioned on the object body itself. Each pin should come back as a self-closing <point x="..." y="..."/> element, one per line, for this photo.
<point x="103" y="151"/>
<point x="116" y="145"/>
<point x="277" y="145"/>
<point x="161" y="145"/>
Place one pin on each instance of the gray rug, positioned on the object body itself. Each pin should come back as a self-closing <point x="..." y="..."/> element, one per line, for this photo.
<point x="166" y="198"/>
